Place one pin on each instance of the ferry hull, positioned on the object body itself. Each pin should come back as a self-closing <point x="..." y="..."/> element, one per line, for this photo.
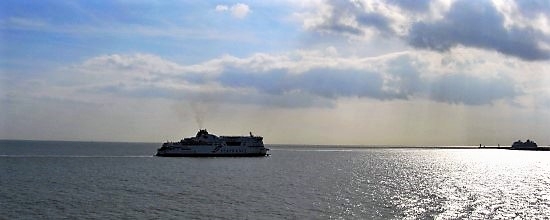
<point x="210" y="155"/>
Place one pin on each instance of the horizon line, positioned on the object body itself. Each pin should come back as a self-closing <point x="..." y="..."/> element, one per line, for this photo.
<point x="286" y="144"/>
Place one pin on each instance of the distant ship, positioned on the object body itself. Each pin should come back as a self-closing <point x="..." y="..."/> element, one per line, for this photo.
<point x="210" y="145"/>
<point x="527" y="145"/>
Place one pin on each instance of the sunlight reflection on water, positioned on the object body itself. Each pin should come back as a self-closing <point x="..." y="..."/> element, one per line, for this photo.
<point x="479" y="184"/>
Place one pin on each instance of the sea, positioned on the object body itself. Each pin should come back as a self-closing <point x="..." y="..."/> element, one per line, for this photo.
<point x="103" y="180"/>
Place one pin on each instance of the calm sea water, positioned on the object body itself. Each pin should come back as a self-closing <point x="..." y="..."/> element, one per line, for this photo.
<point x="122" y="180"/>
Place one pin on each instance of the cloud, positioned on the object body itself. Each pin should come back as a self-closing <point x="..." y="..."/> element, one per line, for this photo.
<point x="415" y="6"/>
<point x="477" y="24"/>
<point x="523" y="32"/>
<point x="347" y="17"/>
<point x="533" y="7"/>
<point x="23" y="23"/>
<point x="400" y="81"/>
<point x="238" y="10"/>
<point x="222" y="8"/>
<point x="294" y="80"/>
<point x="325" y="83"/>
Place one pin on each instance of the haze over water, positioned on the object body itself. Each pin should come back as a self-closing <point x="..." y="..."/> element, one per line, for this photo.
<point x="123" y="180"/>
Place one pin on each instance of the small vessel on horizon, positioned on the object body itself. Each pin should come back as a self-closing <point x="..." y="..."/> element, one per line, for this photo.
<point x="527" y="145"/>
<point x="210" y="145"/>
<point x="519" y="145"/>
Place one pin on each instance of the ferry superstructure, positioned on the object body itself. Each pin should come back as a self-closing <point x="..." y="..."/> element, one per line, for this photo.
<point x="210" y="145"/>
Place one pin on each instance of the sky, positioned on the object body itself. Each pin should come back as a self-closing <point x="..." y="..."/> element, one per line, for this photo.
<point x="395" y="72"/>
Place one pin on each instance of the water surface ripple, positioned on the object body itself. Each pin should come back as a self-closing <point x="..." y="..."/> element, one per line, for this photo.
<point x="99" y="180"/>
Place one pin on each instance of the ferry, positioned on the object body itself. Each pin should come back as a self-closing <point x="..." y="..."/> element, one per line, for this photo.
<point x="210" y="145"/>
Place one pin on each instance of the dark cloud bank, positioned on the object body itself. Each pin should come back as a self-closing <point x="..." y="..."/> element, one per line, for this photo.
<point x="469" y="23"/>
<point x="398" y="78"/>
<point x="321" y="87"/>
<point x="400" y="82"/>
